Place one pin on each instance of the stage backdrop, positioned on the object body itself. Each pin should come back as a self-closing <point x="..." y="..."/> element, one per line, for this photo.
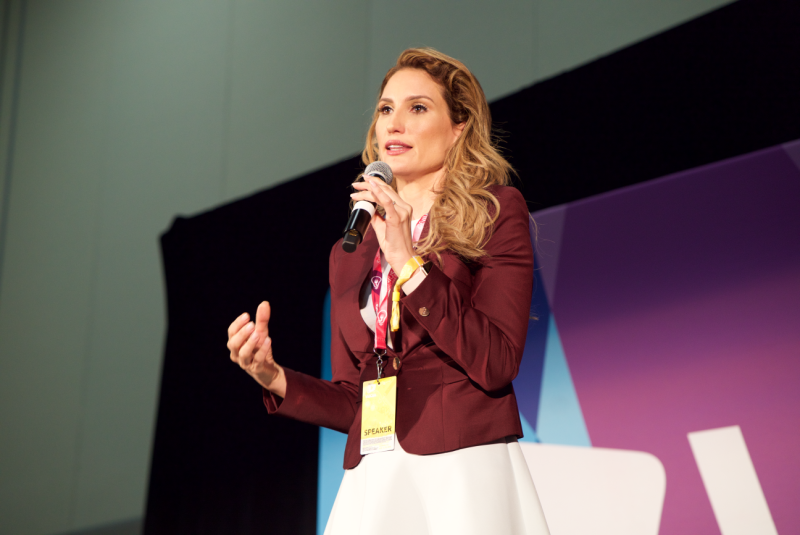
<point x="718" y="87"/>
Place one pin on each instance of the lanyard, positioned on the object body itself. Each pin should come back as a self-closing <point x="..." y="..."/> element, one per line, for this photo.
<point x="382" y="306"/>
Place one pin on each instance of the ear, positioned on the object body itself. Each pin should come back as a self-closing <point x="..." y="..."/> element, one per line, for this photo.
<point x="458" y="128"/>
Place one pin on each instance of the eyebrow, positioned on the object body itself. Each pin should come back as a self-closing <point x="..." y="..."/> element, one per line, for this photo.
<point x="412" y="97"/>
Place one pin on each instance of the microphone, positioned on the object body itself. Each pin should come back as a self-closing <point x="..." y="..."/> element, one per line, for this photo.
<point x="363" y="210"/>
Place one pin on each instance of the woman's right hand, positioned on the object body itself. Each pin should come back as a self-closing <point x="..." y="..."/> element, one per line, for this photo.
<point x="251" y="349"/>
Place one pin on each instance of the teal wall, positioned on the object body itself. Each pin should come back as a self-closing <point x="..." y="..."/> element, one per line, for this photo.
<point x="130" y="112"/>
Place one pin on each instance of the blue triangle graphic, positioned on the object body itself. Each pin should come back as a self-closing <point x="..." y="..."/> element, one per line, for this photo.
<point x="560" y="419"/>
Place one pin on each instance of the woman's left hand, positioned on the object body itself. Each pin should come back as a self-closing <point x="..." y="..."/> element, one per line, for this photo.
<point x="394" y="232"/>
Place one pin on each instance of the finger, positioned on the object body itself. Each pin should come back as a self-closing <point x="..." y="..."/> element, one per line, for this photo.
<point x="380" y="184"/>
<point x="363" y="196"/>
<point x="236" y="341"/>
<point x="397" y="213"/>
<point x="379" y="226"/>
<point x="237" y="324"/>
<point x="246" y="351"/>
<point x="383" y="198"/>
<point x="264" y="354"/>
<point x="262" y="319"/>
<point x="381" y="188"/>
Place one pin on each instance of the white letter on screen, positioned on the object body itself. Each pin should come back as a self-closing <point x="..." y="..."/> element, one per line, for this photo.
<point x="731" y="482"/>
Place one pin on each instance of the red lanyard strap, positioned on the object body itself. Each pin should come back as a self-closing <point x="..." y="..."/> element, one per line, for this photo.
<point x="382" y="306"/>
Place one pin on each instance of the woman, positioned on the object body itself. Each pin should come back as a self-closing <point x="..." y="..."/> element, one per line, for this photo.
<point x="459" y="239"/>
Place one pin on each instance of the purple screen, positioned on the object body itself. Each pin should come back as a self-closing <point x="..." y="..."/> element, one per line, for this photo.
<point x="678" y="307"/>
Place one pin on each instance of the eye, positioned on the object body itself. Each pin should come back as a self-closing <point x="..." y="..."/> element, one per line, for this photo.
<point x="419" y="108"/>
<point x="383" y="110"/>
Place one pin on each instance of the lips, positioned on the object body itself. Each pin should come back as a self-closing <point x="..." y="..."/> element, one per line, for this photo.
<point x="394" y="147"/>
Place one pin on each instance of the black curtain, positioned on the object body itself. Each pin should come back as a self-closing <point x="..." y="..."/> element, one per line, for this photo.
<point x="721" y="85"/>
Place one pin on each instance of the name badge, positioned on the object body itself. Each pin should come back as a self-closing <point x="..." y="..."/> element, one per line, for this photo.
<point x="378" y="406"/>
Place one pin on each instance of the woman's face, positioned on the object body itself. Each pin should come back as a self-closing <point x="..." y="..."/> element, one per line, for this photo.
<point x="414" y="129"/>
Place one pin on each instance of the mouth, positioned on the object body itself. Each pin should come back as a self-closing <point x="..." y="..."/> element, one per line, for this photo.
<point x="394" y="147"/>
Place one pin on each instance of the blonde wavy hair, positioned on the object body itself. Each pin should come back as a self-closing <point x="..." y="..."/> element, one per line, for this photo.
<point x="460" y="219"/>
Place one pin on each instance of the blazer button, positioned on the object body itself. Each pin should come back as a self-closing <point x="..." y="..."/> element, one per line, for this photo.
<point x="424" y="312"/>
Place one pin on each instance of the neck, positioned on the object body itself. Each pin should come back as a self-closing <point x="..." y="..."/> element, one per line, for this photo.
<point x="419" y="192"/>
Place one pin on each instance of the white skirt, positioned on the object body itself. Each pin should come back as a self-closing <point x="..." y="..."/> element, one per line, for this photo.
<point x="479" y="490"/>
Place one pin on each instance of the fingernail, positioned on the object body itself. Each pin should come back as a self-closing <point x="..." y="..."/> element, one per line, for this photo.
<point x="254" y="335"/>
<point x="353" y="194"/>
<point x="249" y="326"/>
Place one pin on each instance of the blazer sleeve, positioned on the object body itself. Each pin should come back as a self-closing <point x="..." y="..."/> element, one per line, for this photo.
<point x="330" y="404"/>
<point x="483" y="330"/>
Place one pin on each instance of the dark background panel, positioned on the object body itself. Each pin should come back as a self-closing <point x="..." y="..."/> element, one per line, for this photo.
<point x="722" y="85"/>
<point x="220" y="463"/>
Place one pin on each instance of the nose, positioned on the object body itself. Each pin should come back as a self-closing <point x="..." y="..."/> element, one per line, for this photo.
<point x="395" y="124"/>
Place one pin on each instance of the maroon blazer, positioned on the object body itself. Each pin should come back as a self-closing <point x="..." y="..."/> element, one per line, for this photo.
<point x="462" y="332"/>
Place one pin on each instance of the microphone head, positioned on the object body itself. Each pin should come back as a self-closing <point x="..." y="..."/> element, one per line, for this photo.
<point x="380" y="170"/>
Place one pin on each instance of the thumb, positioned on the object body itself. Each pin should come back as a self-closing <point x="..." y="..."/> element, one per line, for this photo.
<point x="378" y="225"/>
<point x="263" y="313"/>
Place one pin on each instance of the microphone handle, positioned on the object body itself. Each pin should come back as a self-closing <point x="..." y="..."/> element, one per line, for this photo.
<point x="357" y="225"/>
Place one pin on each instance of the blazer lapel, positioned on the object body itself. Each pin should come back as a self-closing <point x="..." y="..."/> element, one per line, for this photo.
<point x="352" y="271"/>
